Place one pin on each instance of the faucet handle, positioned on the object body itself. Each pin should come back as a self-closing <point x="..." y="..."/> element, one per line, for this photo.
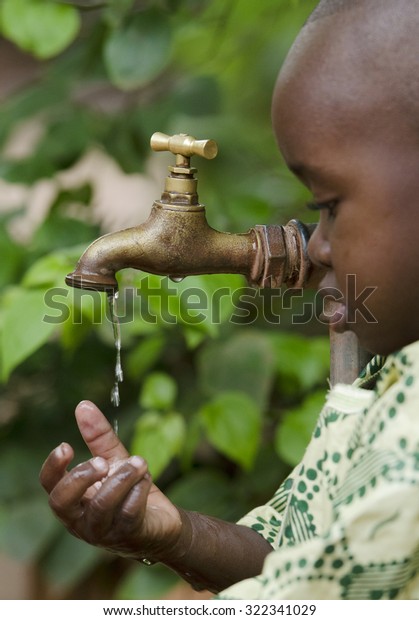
<point x="182" y="144"/>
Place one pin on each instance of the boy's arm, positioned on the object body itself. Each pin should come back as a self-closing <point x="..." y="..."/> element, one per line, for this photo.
<point x="110" y="501"/>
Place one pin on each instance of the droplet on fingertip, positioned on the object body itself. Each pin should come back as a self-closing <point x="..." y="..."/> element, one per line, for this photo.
<point x="59" y="451"/>
<point x="86" y="404"/>
<point x="137" y="461"/>
<point x="99" y="464"/>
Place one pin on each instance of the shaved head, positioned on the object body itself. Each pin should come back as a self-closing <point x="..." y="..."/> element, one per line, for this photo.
<point x="329" y="7"/>
<point x="366" y="50"/>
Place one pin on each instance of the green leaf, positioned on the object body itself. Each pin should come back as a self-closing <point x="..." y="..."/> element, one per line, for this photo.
<point x="24" y="328"/>
<point x="145" y="355"/>
<point x="116" y="10"/>
<point x="159" y="391"/>
<point x="301" y="363"/>
<point x="243" y="362"/>
<point x="233" y="425"/>
<point x="203" y="302"/>
<point x="80" y="559"/>
<point x="50" y="270"/>
<point x="15" y="257"/>
<point x="193" y="439"/>
<point x="137" y="52"/>
<point x="245" y="210"/>
<point x="158" y="438"/>
<point x="83" y="4"/>
<point x="66" y="138"/>
<point x="199" y="96"/>
<point x="26" y="527"/>
<point x="205" y="490"/>
<point x="20" y="476"/>
<point x="38" y="26"/>
<point x="294" y="432"/>
<point x="28" y="102"/>
<point x="151" y="583"/>
<point x="193" y="337"/>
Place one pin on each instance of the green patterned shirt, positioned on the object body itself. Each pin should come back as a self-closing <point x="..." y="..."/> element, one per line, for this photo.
<point x="345" y="523"/>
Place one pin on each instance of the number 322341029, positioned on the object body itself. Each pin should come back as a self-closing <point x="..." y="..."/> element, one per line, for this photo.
<point x="280" y="610"/>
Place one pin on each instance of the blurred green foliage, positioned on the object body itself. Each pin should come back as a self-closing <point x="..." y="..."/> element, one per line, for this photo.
<point x="221" y="402"/>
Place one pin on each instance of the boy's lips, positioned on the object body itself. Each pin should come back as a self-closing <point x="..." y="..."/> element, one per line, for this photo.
<point x="335" y="314"/>
<point x="334" y="308"/>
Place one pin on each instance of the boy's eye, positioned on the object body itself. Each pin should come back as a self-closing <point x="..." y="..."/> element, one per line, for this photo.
<point x="329" y="205"/>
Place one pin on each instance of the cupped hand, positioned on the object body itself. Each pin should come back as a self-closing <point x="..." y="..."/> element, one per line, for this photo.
<point x="110" y="501"/>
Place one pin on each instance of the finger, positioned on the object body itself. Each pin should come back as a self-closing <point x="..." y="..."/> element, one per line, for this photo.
<point x="66" y="497"/>
<point x="55" y="465"/>
<point x="98" y="434"/>
<point x="103" y="509"/>
<point x="135" y="503"/>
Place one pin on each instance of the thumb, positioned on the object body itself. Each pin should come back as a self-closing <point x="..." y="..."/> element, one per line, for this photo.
<point x="97" y="433"/>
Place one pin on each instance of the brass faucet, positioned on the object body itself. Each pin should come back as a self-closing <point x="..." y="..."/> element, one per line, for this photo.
<point x="177" y="241"/>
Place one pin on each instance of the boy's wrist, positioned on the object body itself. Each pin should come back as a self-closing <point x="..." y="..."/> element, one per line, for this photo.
<point x="183" y="555"/>
<point x="190" y="552"/>
<point x="209" y="553"/>
<point x="174" y="548"/>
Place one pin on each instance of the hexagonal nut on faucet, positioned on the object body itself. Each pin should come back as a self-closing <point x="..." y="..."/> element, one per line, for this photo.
<point x="299" y="267"/>
<point x="274" y="249"/>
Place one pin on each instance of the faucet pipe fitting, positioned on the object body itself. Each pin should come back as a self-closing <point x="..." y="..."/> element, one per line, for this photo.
<point x="284" y="255"/>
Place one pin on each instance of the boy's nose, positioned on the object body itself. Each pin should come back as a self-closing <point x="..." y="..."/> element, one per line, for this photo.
<point x="319" y="249"/>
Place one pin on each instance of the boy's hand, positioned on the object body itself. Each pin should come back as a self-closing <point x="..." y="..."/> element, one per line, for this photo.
<point x="110" y="500"/>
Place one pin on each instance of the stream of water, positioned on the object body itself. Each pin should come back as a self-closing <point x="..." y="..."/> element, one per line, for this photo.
<point x="119" y="375"/>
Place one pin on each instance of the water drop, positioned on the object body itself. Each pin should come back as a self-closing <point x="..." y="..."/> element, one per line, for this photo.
<point x="115" y="400"/>
<point x="177" y="279"/>
<point x="115" y="426"/>
<point x="118" y="369"/>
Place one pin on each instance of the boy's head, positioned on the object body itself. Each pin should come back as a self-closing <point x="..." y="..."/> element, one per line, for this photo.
<point x="346" y="117"/>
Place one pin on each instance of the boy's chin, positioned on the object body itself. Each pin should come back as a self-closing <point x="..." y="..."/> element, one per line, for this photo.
<point x="369" y="336"/>
<point x="372" y="339"/>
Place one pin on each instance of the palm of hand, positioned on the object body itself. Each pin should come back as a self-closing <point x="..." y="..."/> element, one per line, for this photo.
<point x="109" y="501"/>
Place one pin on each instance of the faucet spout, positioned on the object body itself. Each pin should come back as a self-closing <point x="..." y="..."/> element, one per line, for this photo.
<point x="175" y="241"/>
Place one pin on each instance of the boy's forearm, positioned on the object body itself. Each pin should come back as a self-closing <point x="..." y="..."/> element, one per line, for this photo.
<point x="211" y="554"/>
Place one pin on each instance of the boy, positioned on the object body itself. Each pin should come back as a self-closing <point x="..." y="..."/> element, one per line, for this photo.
<point x="345" y="524"/>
